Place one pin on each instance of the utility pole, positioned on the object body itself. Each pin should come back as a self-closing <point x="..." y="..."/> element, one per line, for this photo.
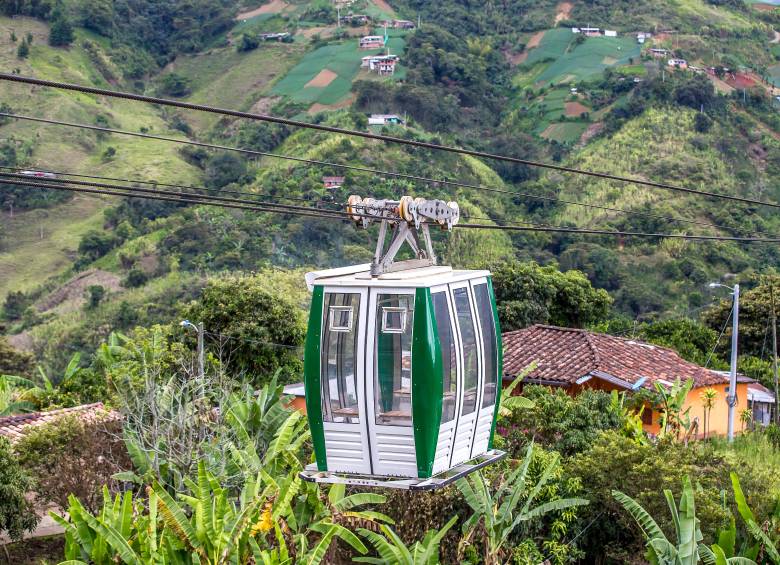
<point x="201" y="353"/>
<point x="201" y="348"/>
<point x="774" y="351"/>
<point x="732" y="396"/>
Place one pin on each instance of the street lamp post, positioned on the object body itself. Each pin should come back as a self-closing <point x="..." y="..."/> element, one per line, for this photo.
<point x="731" y="398"/>
<point x="201" y="349"/>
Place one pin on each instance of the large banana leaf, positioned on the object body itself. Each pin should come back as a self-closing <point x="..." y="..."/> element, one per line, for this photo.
<point x="649" y="527"/>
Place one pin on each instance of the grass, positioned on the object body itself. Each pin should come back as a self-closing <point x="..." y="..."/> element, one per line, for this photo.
<point x="44" y="242"/>
<point x="342" y="58"/>
<point x="226" y="78"/>
<point x="752" y="448"/>
<point x="26" y="259"/>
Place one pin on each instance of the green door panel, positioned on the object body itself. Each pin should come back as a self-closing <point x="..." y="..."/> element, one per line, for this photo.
<point x="500" y="367"/>
<point x="311" y="378"/>
<point x="427" y="382"/>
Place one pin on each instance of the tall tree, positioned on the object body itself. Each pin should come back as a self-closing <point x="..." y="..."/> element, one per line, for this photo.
<point x="528" y="293"/>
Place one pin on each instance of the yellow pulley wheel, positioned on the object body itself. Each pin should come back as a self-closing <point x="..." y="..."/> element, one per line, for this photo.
<point x="352" y="203"/>
<point x="403" y="208"/>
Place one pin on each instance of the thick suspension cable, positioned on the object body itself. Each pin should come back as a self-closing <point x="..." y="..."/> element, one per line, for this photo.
<point x="380" y="172"/>
<point x="312" y="212"/>
<point x="367" y="135"/>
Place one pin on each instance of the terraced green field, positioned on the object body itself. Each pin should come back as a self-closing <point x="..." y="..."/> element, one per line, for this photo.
<point x="343" y="59"/>
<point x="589" y="59"/>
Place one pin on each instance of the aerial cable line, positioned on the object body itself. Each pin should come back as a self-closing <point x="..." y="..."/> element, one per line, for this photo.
<point x="313" y="212"/>
<point x="274" y="205"/>
<point x="176" y="197"/>
<point x="373" y="171"/>
<point x="20" y="170"/>
<point x="367" y="135"/>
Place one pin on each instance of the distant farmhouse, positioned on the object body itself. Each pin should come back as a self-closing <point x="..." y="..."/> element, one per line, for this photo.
<point x="594" y="31"/>
<point x="384" y="120"/>
<point x="399" y="24"/>
<point x="372" y="42"/>
<point x="678" y="63"/>
<point x="332" y="182"/>
<point x="383" y="65"/>
<point x="274" y="36"/>
<point x="355" y="19"/>
<point x="641" y="37"/>
<point x="658" y="52"/>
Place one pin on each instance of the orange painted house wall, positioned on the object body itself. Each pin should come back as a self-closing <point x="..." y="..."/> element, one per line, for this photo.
<point x="718" y="417"/>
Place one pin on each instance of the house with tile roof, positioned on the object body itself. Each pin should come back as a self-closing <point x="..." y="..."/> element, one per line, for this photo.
<point x="578" y="359"/>
<point x="13" y="428"/>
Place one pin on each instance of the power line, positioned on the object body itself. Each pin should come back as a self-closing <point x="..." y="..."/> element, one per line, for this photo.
<point x="304" y="211"/>
<point x="560" y="229"/>
<point x="380" y="172"/>
<point x="367" y="135"/>
<point x="163" y="184"/>
<point x="273" y="205"/>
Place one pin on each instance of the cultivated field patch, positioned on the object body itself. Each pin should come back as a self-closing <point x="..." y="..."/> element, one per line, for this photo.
<point x="308" y="82"/>
<point x="273" y="7"/>
<point x="575" y="109"/>
<point x="323" y="79"/>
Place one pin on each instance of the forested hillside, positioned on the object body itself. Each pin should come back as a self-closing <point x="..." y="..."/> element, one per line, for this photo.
<point x="509" y="78"/>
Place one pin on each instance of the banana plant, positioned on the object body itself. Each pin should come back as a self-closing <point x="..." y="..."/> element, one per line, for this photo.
<point x="497" y="512"/>
<point x="764" y="543"/>
<point x="12" y="395"/>
<point x="510" y="402"/>
<point x="688" y="549"/>
<point x="392" y="549"/>
<point x="673" y="417"/>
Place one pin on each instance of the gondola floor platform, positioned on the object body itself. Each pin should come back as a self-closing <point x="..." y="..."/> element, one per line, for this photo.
<point x="311" y="474"/>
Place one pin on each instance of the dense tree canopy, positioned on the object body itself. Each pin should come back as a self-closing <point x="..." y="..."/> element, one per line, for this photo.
<point x="262" y="331"/>
<point x="528" y="294"/>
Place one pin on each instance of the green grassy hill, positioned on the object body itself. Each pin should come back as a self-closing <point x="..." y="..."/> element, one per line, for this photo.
<point x="503" y="80"/>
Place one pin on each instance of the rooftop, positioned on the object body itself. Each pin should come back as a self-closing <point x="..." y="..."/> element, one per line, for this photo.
<point x="14" y="428"/>
<point x="567" y="356"/>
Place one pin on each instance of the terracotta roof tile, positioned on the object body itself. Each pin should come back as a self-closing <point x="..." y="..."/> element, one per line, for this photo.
<point x="565" y="355"/>
<point x="14" y="427"/>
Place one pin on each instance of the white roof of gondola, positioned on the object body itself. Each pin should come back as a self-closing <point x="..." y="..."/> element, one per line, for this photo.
<point x="420" y="277"/>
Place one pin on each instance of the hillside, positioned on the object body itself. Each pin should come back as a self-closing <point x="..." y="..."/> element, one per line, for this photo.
<point x="513" y="79"/>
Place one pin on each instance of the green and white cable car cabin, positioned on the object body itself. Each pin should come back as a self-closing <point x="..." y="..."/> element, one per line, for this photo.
<point x="403" y="360"/>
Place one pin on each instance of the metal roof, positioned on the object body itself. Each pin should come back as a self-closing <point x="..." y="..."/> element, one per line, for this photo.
<point x="359" y="275"/>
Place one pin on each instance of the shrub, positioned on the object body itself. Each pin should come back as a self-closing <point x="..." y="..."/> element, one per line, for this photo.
<point x="70" y="456"/>
<point x="17" y="514"/>
<point x="567" y="424"/>
<point x="615" y="462"/>
<point x="96" y="293"/>
<point x="135" y="277"/>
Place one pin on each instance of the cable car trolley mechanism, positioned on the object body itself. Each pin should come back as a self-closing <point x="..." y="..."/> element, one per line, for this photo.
<point x="403" y="359"/>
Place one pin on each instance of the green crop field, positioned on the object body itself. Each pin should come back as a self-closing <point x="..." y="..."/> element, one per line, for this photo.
<point x="343" y="59"/>
<point x="566" y="132"/>
<point x="553" y="45"/>
<point x="589" y="59"/>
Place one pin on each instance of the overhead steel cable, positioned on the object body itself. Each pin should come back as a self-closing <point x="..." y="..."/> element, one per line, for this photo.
<point x="560" y="229"/>
<point x="175" y="197"/>
<point x="380" y="172"/>
<point x="20" y="170"/>
<point x="274" y="205"/>
<point x="367" y="135"/>
<point x="313" y="212"/>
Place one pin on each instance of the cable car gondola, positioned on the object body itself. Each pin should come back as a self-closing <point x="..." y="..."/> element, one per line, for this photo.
<point x="403" y="361"/>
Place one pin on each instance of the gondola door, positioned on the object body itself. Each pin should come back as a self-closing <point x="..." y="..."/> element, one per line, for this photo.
<point x="471" y="372"/>
<point x="488" y="341"/>
<point x="342" y="378"/>
<point x="389" y="382"/>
